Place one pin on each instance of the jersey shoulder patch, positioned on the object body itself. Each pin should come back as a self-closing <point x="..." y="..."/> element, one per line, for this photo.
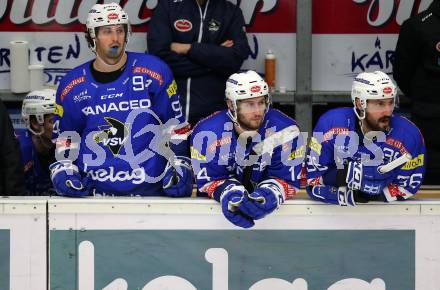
<point x="152" y="67"/>
<point x="72" y="79"/>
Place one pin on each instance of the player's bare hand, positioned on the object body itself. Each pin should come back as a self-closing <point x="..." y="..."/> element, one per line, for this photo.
<point x="228" y="43"/>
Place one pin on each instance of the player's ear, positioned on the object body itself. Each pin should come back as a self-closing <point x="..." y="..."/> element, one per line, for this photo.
<point x="358" y="104"/>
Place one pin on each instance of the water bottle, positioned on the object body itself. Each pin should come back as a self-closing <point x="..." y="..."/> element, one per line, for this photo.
<point x="269" y="69"/>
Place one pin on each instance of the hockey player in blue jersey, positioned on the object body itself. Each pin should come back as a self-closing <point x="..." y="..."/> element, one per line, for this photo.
<point x="365" y="153"/>
<point x="118" y="119"/>
<point x="37" y="148"/>
<point x="247" y="157"/>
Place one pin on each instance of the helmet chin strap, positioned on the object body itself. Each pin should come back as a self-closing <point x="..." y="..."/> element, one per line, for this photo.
<point x="361" y="118"/>
<point x="37" y="133"/>
<point x="370" y="135"/>
<point x="362" y="111"/>
<point x="361" y="125"/>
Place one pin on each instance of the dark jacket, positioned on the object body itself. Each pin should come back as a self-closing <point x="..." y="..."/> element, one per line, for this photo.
<point x="11" y="170"/>
<point x="201" y="74"/>
<point x="417" y="59"/>
<point x="417" y="72"/>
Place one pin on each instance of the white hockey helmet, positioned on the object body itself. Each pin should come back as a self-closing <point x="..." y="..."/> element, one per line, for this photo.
<point x="38" y="104"/>
<point x="106" y="14"/>
<point x="371" y="86"/>
<point x="245" y="85"/>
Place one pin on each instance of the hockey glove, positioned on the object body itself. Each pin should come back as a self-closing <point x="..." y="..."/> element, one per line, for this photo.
<point x="230" y="200"/>
<point x="366" y="178"/>
<point x="177" y="181"/>
<point x="67" y="180"/>
<point x="261" y="202"/>
<point x="331" y="194"/>
<point x="346" y="196"/>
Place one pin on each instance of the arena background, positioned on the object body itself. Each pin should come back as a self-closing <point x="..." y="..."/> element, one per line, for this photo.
<point x="348" y="37"/>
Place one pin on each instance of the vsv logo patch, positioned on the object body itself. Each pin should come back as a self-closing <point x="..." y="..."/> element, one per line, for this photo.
<point x="113" y="135"/>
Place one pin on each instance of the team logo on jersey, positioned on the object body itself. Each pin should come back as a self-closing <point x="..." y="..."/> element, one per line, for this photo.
<point x="112" y="135"/>
<point x="183" y="25"/>
<point x="213" y="25"/>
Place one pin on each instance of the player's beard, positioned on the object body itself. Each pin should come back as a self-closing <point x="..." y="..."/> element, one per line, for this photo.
<point x="382" y="124"/>
<point x="45" y="145"/>
<point x="252" y="124"/>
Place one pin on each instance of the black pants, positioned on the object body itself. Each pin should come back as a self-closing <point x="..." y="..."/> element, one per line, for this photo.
<point x="430" y="128"/>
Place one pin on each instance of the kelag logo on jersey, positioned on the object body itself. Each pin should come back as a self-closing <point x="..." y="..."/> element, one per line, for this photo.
<point x="112" y="135"/>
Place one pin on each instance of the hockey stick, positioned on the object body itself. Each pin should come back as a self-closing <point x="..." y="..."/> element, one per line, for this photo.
<point x="267" y="146"/>
<point x="395" y="163"/>
<point x="277" y="139"/>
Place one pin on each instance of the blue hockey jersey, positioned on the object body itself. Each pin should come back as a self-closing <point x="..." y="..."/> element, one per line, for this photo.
<point x="337" y="139"/>
<point x="37" y="175"/>
<point x="218" y="158"/>
<point x="120" y="130"/>
<point x="201" y="74"/>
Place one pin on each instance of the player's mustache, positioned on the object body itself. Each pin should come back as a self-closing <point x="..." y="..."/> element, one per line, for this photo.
<point x="384" y="119"/>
